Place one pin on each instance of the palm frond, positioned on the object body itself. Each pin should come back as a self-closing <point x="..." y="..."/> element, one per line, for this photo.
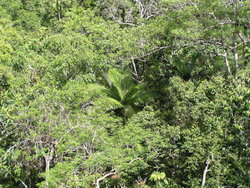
<point x="107" y="104"/>
<point x="116" y="78"/>
<point x="146" y="96"/>
<point x="129" y="111"/>
<point x="124" y="93"/>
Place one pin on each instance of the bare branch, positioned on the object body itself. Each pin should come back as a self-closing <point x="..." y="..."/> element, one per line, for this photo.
<point x="134" y="66"/>
<point x="24" y="184"/>
<point x="206" y="170"/>
<point x="224" y="55"/>
<point x="14" y="146"/>
<point x="189" y="43"/>
<point x="103" y="177"/>
<point x="127" y="23"/>
<point x="133" y="160"/>
<point x="87" y="104"/>
<point x="244" y="40"/>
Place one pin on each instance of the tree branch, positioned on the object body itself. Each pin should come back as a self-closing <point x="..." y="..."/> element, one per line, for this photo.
<point x="134" y="66"/>
<point x="127" y="23"/>
<point x="206" y="170"/>
<point x="24" y="184"/>
<point x="103" y="177"/>
<point x="133" y="160"/>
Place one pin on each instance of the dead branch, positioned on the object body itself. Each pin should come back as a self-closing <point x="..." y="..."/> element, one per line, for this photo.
<point x="133" y="160"/>
<point x="103" y="177"/>
<point x="206" y="170"/>
<point x="24" y="184"/>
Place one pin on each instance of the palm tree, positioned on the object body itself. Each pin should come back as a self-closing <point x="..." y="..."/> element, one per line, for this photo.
<point x="124" y="96"/>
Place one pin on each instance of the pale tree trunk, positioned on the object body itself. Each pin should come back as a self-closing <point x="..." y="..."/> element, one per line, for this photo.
<point x="244" y="42"/>
<point x="227" y="63"/>
<point x="59" y="10"/>
<point x="135" y="70"/>
<point x="224" y="55"/>
<point x="235" y="43"/>
<point x="47" y="162"/>
<point x="80" y="2"/>
<point x="102" y="178"/>
<point x="206" y="170"/>
<point x="48" y="158"/>
<point x="236" y="57"/>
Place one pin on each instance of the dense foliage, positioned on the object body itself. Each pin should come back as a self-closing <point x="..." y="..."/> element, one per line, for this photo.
<point x="124" y="93"/>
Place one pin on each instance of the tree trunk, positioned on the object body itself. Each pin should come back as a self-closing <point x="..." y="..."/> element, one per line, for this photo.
<point x="80" y="2"/>
<point x="205" y="173"/>
<point x="227" y="63"/>
<point x="47" y="159"/>
<point x="235" y="43"/>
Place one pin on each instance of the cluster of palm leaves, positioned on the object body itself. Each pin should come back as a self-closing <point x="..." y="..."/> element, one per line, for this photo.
<point x="123" y="94"/>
